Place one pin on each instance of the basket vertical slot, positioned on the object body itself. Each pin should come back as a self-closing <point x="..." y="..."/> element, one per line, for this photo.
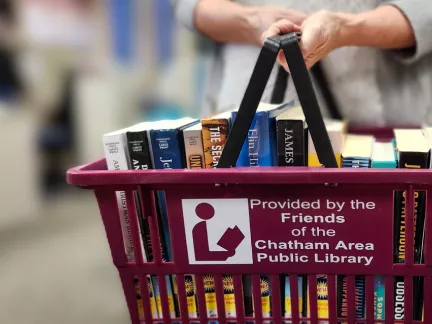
<point x="370" y="305"/>
<point x="107" y="202"/>
<point x="220" y="297"/>
<point x="134" y="226"/>
<point x="256" y="293"/>
<point x="146" y="289"/>
<point x="389" y="299"/>
<point x="409" y="226"/>
<point x="427" y="299"/>
<point x="201" y="294"/>
<point x="313" y="301"/>
<point x="408" y="300"/>
<point x="182" y="295"/>
<point x="275" y="298"/>
<point x="351" y="299"/>
<point x="130" y="294"/>
<point x="164" y="302"/>
<point x="332" y="298"/>
<point x="239" y="300"/>
<point x="428" y="233"/>
<point x="149" y="211"/>
<point x="294" y="300"/>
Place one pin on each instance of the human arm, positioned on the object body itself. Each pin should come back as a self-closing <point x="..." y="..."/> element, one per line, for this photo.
<point x="226" y="21"/>
<point x="386" y="27"/>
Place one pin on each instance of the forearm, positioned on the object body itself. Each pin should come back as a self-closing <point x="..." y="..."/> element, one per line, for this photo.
<point x="385" y="27"/>
<point x="225" y="21"/>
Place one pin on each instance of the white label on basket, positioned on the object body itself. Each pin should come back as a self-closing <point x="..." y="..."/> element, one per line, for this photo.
<point x="217" y="231"/>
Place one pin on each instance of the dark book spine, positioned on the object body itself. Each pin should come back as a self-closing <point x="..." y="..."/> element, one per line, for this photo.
<point x="409" y="160"/>
<point x="342" y="308"/>
<point x="290" y="143"/>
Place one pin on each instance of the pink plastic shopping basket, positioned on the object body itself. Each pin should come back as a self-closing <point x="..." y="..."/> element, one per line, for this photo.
<point x="345" y="216"/>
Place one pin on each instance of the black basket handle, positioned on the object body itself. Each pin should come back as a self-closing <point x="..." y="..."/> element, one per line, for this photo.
<point x="251" y="99"/>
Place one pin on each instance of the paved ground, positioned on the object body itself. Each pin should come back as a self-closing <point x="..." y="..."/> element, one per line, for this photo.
<point x="59" y="269"/>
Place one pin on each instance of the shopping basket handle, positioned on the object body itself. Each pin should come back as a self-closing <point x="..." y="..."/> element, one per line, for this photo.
<point x="250" y="102"/>
<point x="255" y="89"/>
<point x="308" y="100"/>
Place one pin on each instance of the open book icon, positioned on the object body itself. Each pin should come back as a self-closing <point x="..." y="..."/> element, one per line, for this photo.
<point x="231" y="239"/>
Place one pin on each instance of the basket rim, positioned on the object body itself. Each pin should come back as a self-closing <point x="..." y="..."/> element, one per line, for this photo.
<point x="96" y="174"/>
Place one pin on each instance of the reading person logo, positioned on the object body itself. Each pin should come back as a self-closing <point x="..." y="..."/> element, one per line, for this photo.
<point x="217" y="231"/>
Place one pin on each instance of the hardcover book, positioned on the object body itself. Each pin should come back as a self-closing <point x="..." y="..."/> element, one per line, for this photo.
<point x="384" y="155"/>
<point x="215" y="130"/>
<point x="413" y="152"/>
<point x="194" y="147"/>
<point x="261" y="140"/>
<point x="292" y="138"/>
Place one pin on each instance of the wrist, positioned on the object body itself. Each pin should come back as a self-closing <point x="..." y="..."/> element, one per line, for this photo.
<point x="351" y="32"/>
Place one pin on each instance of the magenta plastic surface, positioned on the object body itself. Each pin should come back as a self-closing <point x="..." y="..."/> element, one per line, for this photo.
<point x="365" y="200"/>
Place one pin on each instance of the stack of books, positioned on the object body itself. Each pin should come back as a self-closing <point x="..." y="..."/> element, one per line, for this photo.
<point x="278" y="137"/>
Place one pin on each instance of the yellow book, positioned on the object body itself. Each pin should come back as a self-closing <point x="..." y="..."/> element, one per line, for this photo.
<point x="191" y="296"/>
<point x="210" y="296"/>
<point x="337" y="131"/>
<point x="322" y="298"/>
<point x="151" y="299"/>
<point x="229" y="298"/>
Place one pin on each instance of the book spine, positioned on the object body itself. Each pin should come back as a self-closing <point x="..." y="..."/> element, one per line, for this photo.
<point x="260" y="146"/>
<point x="167" y="154"/>
<point x="409" y="160"/>
<point x="194" y="152"/>
<point x="191" y="296"/>
<point x="379" y="298"/>
<point x="322" y="295"/>
<point x="210" y="296"/>
<point x="215" y="134"/>
<point x="229" y="298"/>
<point x="290" y="143"/>
<point x="116" y="158"/>
<point x="265" y="296"/>
<point x="243" y="159"/>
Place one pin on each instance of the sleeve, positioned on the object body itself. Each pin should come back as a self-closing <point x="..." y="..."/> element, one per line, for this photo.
<point x="184" y="12"/>
<point x="419" y="14"/>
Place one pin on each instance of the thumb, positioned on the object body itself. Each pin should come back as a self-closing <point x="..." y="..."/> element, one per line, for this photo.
<point x="281" y="27"/>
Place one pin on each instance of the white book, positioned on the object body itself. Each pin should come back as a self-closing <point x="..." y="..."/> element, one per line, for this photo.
<point x="117" y="158"/>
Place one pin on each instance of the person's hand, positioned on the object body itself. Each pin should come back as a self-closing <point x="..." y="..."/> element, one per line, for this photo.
<point x="263" y="18"/>
<point x="322" y="33"/>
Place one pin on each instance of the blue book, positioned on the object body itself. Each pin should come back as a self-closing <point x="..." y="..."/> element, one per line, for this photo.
<point x="260" y="147"/>
<point x="167" y="151"/>
<point x="384" y="155"/>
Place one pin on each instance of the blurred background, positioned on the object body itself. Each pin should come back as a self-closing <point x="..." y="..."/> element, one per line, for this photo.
<point x="71" y="70"/>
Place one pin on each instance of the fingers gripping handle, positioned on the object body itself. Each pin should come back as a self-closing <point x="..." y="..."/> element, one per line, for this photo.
<point x="255" y="89"/>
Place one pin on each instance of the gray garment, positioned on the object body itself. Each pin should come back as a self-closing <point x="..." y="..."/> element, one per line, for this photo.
<point x="371" y="86"/>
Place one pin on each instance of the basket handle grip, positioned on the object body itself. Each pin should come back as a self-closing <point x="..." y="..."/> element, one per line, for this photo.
<point x="251" y="99"/>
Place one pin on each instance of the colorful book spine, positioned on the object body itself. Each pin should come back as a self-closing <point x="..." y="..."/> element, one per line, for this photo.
<point x="153" y="307"/>
<point x="379" y="298"/>
<point x="191" y="296"/>
<point x="194" y="147"/>
<point x="229" y="297"/>
<point x="265" y="296"/>
<point x="210" y="296"/>
<point x="322" y="298"/>
<point x="215" y="134"/>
